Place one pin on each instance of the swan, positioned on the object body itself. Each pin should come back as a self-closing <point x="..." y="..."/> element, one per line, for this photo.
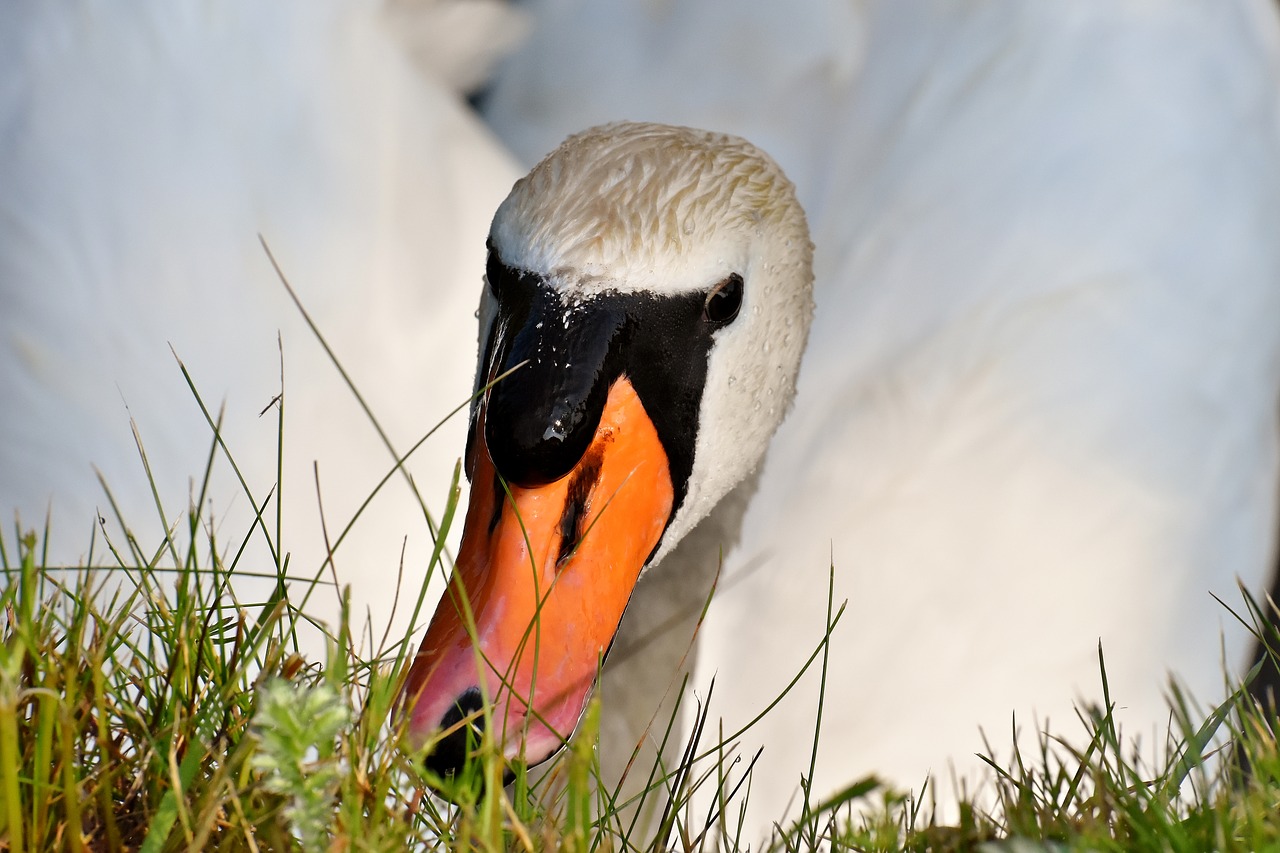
<point x="1038" y="407"/>
<point x="649" y="288"/>
<point x="143" y="150"/>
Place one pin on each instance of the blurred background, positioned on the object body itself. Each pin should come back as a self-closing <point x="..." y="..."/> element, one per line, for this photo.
<point x="1038" y="408"/>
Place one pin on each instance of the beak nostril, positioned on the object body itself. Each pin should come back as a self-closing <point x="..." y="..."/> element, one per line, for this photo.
<point x="450" y="753"/>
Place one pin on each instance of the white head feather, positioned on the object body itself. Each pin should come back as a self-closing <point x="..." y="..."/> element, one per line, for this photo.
<point x="646" y="208"/>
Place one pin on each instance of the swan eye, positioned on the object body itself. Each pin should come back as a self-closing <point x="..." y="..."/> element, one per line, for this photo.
<point x="724" y="301"/>
<point x="493" y="272"/>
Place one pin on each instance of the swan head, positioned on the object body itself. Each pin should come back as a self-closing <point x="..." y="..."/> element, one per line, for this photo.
<point x="647" y="299"/>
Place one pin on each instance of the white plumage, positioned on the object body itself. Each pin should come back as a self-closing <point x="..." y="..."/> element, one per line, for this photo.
<point x="142" y="152"/>
<point x="1038" y="409"/>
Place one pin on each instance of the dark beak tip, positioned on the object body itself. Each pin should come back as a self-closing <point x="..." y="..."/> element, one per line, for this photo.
<point x="450" y="753"/>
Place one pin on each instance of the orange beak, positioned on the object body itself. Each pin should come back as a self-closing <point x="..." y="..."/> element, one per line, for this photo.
<point x="539" y="588"/>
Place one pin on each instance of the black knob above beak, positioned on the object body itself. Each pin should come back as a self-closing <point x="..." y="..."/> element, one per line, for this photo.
<point x="541" y="419"/>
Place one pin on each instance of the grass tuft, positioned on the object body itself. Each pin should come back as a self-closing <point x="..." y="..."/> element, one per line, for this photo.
<point x="155" y="715"/>
<point x="144" y="706"/>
